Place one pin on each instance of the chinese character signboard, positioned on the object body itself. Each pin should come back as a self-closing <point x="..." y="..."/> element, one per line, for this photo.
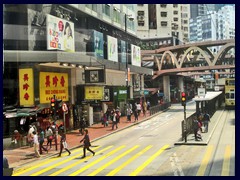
<point x="60" y="34"/>
<point x="94" y="92"/>
<point x="112" y="49"/>
<point x="53" y="84"/>
<point x="136" y="55"/>
<point x="26" y="89"/>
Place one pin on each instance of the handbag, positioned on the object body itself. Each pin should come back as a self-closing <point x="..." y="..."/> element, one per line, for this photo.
<point x="65" y="144"/>
<point x="50" y="137"/>
<point x="7" y="171"/>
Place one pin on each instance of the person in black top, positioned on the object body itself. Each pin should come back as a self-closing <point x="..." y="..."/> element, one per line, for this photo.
<point x="86" y="144"/>
<point x="63" y="143"/>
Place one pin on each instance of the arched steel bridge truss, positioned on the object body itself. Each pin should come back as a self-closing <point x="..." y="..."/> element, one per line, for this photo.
<point x="192" y="53"/>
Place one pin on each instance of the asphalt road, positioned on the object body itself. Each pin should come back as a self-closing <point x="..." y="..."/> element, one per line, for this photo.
<point x="147" y="149"/>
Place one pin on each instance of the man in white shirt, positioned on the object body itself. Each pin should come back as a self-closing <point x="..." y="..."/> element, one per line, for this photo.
<point x="36" y="144"/>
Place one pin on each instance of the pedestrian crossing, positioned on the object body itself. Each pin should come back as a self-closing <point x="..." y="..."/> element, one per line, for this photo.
<point x="126" y="160"/>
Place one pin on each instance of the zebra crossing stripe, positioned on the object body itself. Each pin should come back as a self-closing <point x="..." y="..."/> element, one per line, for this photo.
<point x="56" y="165"/>
<point x="96" y="161"/>
<point x="114" y="171"/>
<point x="78" y="162"/>
<point x="204" y="163"/>
<point x="112" y="161"/>
<point x="226" y="162"/>
<point x="148" y="161"/>
<point x="38" y="164"/>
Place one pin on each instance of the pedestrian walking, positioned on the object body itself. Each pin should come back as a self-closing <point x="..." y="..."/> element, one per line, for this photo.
<point x="36" y="144"/>
<point x="129" y="113"/>
<point x="63" y="143"/>
<point x="30" y="135"/>
<point x="41" y="140"/>
<point x="49" y="135"/>
<point x="86" y="144"/>
<point x="104" y="120"/>
<point x="139" y="108"/>
<point x="196" y="129"/>
<point x="135" y="115"/>
<point x="16" y="138"/>
<point x="114" y="120"/>
<point x="206" y="120"/>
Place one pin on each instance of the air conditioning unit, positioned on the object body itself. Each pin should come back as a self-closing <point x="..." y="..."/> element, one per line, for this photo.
<point x="140" y="18"/>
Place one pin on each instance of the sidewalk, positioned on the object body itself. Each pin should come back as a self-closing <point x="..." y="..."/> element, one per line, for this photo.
<point x="205" y="136"/>
<point x="19" y="156"/>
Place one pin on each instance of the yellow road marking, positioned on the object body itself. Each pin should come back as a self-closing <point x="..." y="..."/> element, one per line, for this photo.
<point x="38" y="164"/>
<point x="226" y="162"/>
<point x="96" y="161"/>
<point x="114" y="171"/>
<point x="205" y="161"/>
<point x="78" y="162"/>
<point x="148" y="161"/>
<point x="55" y="165"/>
<point x="112" y="161"/>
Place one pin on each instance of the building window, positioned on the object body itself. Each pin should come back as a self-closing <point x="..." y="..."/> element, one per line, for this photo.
<point x="185" y="22"/>
<point x="163" y="14"/>
<point x="140" y="23"/>
<point x="92" y="7"/>
<point x="116" y="16"/>
<point x="106" y="9"/>
<point x="163" y="5"/>
<point x="175" y="5"/>
<point x="175" y="19"/>
<point x="175" y="12"/>
<point x="163" y="23"/>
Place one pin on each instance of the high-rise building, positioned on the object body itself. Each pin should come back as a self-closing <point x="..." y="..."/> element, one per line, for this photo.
<point x="201" y="9"/>
<point x="163" y="20"/>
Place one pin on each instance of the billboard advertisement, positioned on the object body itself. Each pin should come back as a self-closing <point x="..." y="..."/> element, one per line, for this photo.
<point x="112" y="49"/>
<point x="94" y="92"/>
<point x="26" y="89"/>
<point x="95" y="76"/>
<point x="53" y="84"/>
<point x="60" y="34"/>
<point x="136" y="55"/>
<point x="98" y="44"/>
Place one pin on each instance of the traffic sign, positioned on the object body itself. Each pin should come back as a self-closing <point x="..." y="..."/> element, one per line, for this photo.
<point x="64" y="107"/>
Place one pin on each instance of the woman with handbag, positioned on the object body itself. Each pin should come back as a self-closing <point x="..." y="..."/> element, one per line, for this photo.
<point x="63" y="143"/>
<point x="86" y="144"/>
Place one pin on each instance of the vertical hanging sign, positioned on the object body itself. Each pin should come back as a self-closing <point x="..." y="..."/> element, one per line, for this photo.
<point x="26" y="89"/>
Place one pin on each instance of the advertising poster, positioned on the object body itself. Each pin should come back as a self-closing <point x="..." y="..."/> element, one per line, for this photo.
<point x="98" y="44"/>
<point x="135" y="55"/>
<point x="26" y="89"/>
<point x="112" y="49"/>
<point x="53" y="84"/>
<point x="94" y="92"/>
<point x="60" y="34"/>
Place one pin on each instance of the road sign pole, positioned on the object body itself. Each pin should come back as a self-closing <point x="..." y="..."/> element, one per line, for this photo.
<point x="185" y="124"/>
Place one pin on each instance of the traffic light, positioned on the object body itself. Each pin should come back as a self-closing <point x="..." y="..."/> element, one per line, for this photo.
<point x="183" y="99"/>
<point x="53" y="102"/>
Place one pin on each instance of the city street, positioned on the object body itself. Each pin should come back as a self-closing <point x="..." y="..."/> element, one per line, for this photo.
<point x="147" y="149"/>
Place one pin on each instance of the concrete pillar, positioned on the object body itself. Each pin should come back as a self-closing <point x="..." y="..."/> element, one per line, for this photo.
<point x="180" y="84"/>
<point x="166" y="88"/>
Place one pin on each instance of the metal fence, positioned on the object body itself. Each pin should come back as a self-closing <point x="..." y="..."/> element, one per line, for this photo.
<point x="158" y="108"/>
